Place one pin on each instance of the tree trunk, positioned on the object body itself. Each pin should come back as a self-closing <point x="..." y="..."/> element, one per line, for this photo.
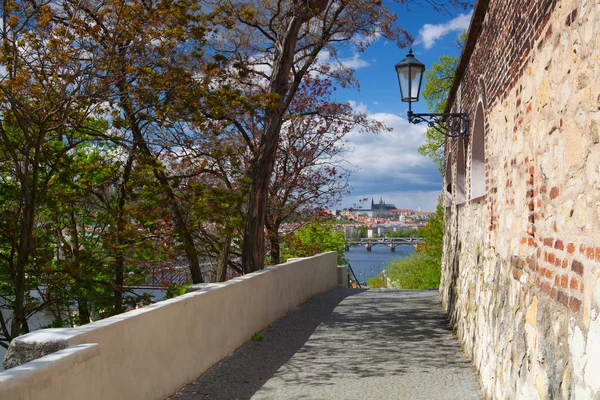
<point x="253" y="250"/>
<point x="275" y="249"/>
<point x="84" y="311"/>
<point x="224" y="260"/>
<point x="119" y="280"/>
<point x="29" y="189"/>
<point x="120" y="239"/>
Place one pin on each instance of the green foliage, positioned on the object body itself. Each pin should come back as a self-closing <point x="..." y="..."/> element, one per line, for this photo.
<point x="360" y="232"/>
<point x="433" y="235"/>
<point x="314" y="238"/>
<point x="418" y="271"/>
<point x="422" y="269"/>
<point x="403" y="233"/>
<point x="257" y="336"/>
<point x="174" y="290"/>
<point x="438" y="81"/>
<point x="377" y="282"/>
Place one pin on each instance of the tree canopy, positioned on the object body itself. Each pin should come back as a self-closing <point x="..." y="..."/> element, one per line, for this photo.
<point x="149" y="143"/>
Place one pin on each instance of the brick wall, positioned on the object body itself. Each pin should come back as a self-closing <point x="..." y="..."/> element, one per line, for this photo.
<point x="521" y="278"/>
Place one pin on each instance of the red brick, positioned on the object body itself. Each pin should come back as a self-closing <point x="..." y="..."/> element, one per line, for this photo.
<point x="575" y="304"/>
<point x="577" y="267"/>
<point x="562" y="298"/>
<point x="557" y="280"/>
<point x="559" y="245"/>
<point x="517" y="273"/>
<point x="553" y="293"/>
<point x="590" y="253"/>
<point x="565" y="263"/>
<point x="531" y="170"/>
<point x="531" y="262"/>
<point x="554" y="193"/>
<point x="571" y="248"/>
<point x="549" y="274"/>
<point x="546" y="287"/>
<point x="551" y="258"/>
<point x="514" y="261"/>
<point x="557" y="262"/>
<point x="564" y="281"/>
<point x="543" y="189"/>
<point x="574" y="283"/>
<point x="531" y="243"/>
<point x="523" y="240"/>
<point x="597" y="253"/>
<point x="548" y="242"/>
<point x="581" y="249"/>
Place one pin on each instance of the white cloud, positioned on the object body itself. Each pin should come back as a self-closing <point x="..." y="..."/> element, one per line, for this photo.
<point x="388" y="164"/>
<point x="354" y="62"/>
<point x="360" y="107"/>
<point x="428" y="34"/>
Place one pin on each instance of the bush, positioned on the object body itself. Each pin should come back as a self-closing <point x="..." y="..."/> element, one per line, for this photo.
<point x="422" y="269"/>
<point x="377" y="282"/>
<point x="417" y="271"/>
<point x="314" y="238"/>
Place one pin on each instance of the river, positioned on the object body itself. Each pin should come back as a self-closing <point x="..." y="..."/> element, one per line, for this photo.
<point x="369" y="264"/>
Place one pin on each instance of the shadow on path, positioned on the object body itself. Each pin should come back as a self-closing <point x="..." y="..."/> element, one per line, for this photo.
<point x="378" y="344"/>
<point x="245" y="371"/>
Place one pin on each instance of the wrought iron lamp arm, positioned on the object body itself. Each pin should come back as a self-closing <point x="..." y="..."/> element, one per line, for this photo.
<point x="452" y="125"/>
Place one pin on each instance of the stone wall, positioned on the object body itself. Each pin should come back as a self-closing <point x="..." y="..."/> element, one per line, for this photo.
<point x="521" y="274"/>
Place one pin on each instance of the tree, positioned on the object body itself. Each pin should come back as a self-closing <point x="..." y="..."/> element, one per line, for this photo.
<point x="315" y="237"/>
<point x="438" y="81"/>
<point x="150" y="83"/>
<point x="310" y="174"/>
<point x="47" y="95"/>
<point x="278" y="42"/>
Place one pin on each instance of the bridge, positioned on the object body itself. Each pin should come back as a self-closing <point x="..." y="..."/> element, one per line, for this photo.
<point x="392" y="243"/>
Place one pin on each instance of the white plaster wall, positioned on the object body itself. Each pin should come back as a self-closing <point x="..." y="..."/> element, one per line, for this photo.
<point x="151" y="352"/>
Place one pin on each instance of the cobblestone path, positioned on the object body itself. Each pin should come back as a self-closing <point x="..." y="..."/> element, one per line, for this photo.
<point x="348" y="344"/>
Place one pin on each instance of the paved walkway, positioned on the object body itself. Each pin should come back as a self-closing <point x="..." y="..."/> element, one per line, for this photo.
<point x="348" y="344"/>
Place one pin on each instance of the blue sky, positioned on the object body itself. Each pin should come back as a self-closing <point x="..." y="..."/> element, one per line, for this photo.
<point x="388" y="164"/>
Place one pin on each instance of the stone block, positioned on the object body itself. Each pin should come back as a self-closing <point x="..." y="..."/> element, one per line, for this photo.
<point x="576" y="147"/>
<point x="592" y="367"/>
<point x="22" y="351"/>
<point x="577" y="347"/>
<point x="531" y="315"/>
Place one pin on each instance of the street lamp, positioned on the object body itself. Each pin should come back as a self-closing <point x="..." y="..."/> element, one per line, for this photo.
<point x="410" y="76"/>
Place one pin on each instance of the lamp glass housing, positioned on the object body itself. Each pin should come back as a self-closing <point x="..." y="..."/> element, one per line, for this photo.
<point x="410" y="75"/>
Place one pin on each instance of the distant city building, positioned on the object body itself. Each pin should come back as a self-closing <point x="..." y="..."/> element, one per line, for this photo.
<point x="380" y="209"/>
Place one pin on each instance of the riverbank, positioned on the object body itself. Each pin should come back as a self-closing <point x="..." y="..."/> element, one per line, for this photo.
<point x="369" y="264"/>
